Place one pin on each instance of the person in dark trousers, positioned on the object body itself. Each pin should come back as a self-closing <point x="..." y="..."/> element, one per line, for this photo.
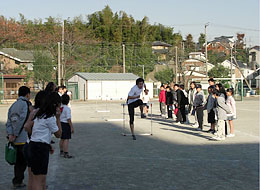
<point x="199" y="105"/>
<point x="169" y="101"/>
<point x="17" y="116"/>
<point x="134" y="101"/>
<point x="210" y="107"/>
<point x="181" y="115"/>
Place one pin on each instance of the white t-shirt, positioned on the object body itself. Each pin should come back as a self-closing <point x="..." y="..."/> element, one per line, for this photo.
<point x="146" y="98"/>
<point x="43" y="129"/>
<point x="65" y="114"/>
<point x="135" y="91"/>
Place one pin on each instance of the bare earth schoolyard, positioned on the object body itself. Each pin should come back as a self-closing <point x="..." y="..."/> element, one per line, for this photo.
<point x="175" y="157"/>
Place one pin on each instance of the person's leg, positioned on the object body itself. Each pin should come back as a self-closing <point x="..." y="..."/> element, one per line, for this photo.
<point x="131" y="111"/>
<point x="20" y="166"/>
<point x="178" y="115"/>
<point x="231" y="126"/>
<point x="183" y="114"/>
<point x="221" y="129"/>
<point x="226" y="129"/>
<point x="30" y="178"/>
<point x="39" y="182"/>
<point x="61" y="146"/>
<point x="160" y="107"/>
<point x="200" y="116"/>
<point x="66" y="145"/>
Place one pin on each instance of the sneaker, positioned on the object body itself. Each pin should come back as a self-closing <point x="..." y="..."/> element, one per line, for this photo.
<point x="18" y="186"/>
<point x="230" y="135"/>
<point x="67" y="156"/>
<point x="143" y="116"/>
<point x="134" y="138"/>
<point x="195" y="126"/>
<point x="61" y="153"/>
<point x="178" y="123"/>
<point x="211" y="131"/>
<point x="217" y="138"/>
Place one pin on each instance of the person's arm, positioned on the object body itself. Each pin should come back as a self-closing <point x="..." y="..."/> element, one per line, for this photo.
<point x="59" y="132"/>
<point x="29" y="123"/>
<point x="233" y="104"/>
<point x="71" y="126"/>
<point x="131" y="94"/>
<point x="223" y="105"/>
<point x="19" y="118"/>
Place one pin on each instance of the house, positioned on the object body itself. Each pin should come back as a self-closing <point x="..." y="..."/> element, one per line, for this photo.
<point x="10" y="85"/>
<point x="196" y="62"/>
<point x="254" y="57"/>
<point x="161" y="49"/>
<point x="11" y="58"/>
<point x="221" y="44"/>
<point x="235" y="69"/>
<point x="254" y="79"/>
<point x="103" y="86"/>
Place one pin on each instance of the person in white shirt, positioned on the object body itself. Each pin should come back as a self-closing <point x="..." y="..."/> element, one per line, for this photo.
<point x="146" y="100"/>
<point x="133" y="101"/>
<point x="232" y="106"/>
<point x="46" y="123"/>
<point x="67" y="127"/>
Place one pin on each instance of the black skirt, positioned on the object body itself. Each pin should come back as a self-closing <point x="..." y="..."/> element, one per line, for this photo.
<point x="66" y="131"/>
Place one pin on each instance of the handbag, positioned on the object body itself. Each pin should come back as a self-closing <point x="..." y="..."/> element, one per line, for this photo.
<point x="10" y="153"/>
<point x="10" y="149"/>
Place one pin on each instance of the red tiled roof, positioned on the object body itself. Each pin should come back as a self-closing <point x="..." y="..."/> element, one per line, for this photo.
<point x="14" y="76"/>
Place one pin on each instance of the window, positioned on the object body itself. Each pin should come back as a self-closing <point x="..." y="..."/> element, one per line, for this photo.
<point x="11" y="85"/>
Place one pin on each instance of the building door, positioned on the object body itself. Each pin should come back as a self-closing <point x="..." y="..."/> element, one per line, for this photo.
<point x="74" y="89"/>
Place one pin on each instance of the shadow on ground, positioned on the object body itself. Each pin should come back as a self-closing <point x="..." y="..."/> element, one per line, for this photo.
<point x="106" y="160"/>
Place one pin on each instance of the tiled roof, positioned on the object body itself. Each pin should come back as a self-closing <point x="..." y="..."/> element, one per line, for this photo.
<point x="159" y="43"/>
<point x="23" y="55"/>
<point x="20" y="55"/>
<point x="107" y="76"/>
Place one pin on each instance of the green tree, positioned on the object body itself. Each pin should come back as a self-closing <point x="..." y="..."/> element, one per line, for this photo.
<point x="164" y="76"/>
<point x="201" y="40"/>
<point x="219" y="71"/>
<point x="43" y="67"/>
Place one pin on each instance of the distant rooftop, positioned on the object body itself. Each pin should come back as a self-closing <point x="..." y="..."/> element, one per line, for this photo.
<point x="256" y="48"/>
<point x="107" y="76"/>
<point x="20" y="55"/>
<point x="159" y="43"/>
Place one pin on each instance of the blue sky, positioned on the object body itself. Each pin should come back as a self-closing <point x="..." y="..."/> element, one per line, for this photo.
<point x="226" y="17"/>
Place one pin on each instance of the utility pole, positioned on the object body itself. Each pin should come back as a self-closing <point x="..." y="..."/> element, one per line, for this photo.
<point x="59" y="72"/>
<point x="231" y="64"/>
<point x="62" y="54"/>
<point x="123" y="58"/>
<point x="176" y="64"/>
<point x="143" y="72"/>
<point x="206" y="49"/>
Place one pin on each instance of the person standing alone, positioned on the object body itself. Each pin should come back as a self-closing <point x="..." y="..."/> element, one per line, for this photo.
<point x="17" y="115"/>
<point x="134" y="101"/>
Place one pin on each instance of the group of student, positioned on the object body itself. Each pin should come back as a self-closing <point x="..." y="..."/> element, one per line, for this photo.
<point x="220" y="105"/>
<point x="30" y="129"/>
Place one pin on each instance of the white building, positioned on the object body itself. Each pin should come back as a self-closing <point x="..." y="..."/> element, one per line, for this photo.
<point x="104" y="86"/>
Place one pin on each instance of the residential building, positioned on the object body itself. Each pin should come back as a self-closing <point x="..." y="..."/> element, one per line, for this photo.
<point x="11" y="58"/>
<point x="254" y="57"/>
<point x="161" y="49"/>
<point x="221" y="44"/>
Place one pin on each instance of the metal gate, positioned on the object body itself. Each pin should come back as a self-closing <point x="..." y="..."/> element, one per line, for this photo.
<point x="74" y="89"/>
